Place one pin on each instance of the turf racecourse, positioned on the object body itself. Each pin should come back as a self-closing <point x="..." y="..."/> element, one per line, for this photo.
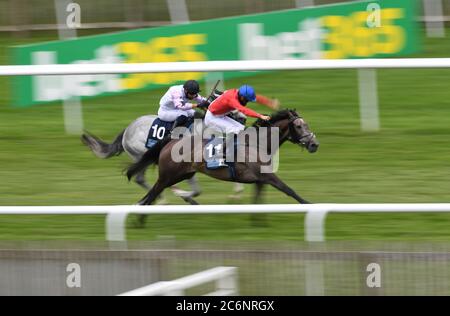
<point x="408" y="161"/>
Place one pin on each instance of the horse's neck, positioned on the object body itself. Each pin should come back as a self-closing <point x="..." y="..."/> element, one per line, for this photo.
<point x="283" y="128"/>
<point x="283" y="133"/>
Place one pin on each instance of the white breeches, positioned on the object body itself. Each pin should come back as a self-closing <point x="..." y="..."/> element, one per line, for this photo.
<point x="172" y="114"/>
<point x="223" y="123"/>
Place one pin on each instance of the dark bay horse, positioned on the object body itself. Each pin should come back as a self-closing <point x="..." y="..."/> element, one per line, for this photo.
<point x="132" y="141"/>
<point x="290" y="126"/>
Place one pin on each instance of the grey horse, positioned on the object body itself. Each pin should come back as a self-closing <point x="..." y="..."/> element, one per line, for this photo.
<point x="132" y="141"/>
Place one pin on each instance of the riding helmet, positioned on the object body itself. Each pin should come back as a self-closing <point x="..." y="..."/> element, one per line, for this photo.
<point x="248" y="93"/>
<point x="191" y="87"/>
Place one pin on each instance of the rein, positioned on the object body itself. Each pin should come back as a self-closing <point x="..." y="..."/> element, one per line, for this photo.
<point x="294" y="137"/>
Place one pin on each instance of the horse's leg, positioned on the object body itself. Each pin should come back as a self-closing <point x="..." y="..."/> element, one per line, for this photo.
<point x="190" y="200"/>
<point x="194" y="185"/>
<point x="156" y="190"/>
<point x="193" y="182"/>
<point x="274" y="181"/>
<point x="188" y="195"/>
<point x="238" y="187"/>
<point x="258" y="220"/>
<point x="259" y="186"/>
<point x="140" y="180"/>
<point x="237" y="191"/>
<point x="159" y="187"/>
<point x="149" y="198"/>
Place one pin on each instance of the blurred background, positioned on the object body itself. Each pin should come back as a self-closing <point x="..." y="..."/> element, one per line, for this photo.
<point x="401" y="157"/>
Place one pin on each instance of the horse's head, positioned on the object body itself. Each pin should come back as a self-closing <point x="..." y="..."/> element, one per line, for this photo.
<point x="293" y="128"/>
<point x="300" y="134"/>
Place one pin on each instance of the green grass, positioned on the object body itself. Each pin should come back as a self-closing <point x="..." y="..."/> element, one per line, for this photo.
<point x="408" y="161"/>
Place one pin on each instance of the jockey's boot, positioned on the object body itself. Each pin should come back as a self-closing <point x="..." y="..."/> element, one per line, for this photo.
<point x="181" y="121"/>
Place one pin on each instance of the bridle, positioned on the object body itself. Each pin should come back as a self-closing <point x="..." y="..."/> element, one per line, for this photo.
<point x="294" y="137"/>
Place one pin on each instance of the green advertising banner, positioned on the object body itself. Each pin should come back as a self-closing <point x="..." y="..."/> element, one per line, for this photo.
<point x="352" y="30"/>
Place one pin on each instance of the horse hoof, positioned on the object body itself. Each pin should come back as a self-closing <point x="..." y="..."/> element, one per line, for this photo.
<point x="140" y="221"/>
<point x="191" y="201"/>
<point x="196" y="193"/>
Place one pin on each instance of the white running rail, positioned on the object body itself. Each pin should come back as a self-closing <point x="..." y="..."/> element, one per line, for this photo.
<point x="226" y="279"/>
<point x="314" y="220"/>
<point x="231" y="65"/>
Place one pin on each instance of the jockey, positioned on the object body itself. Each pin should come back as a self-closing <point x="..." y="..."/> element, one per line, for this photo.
<point x="236" y="99"/>
<point x="175" y="104"/>
<point x="231" y="100"/>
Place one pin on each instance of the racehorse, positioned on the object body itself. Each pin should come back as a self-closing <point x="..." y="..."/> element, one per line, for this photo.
<point x="132" y="140"/>
<point x="291" y="127"/>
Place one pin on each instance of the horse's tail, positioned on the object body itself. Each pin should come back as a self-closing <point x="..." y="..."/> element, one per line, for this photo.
<point x="102" y="149"/>
<point x="150" y="157"/>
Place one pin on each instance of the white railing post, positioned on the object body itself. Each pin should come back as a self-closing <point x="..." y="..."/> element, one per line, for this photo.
<point x="368" y="100"/>
<point x="314" y="278"/>
<point x="315" y="224"/>
<point x="178" y="11"/>
<point x="315" y="233"/>
<point x="304" y="3"/>
<point x="434" y="18"/>
<point x="116" y="225"/>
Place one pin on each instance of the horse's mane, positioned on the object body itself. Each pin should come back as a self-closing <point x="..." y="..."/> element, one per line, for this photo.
<point x="275" y="117"/>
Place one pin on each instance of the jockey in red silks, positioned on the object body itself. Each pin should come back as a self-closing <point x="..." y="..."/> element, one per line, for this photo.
<point x="217" y="119"/>
<point x="235" y="99"/>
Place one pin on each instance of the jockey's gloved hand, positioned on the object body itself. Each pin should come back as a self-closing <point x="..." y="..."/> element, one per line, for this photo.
<point x="203" y="105"/>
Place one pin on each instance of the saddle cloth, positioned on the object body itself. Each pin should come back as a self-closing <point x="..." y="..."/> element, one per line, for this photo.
<point x="157" y="132"/>
<point x="214" y="152"/>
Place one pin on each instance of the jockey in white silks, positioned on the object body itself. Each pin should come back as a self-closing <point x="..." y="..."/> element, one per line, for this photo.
<point x="175" y="105"/>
